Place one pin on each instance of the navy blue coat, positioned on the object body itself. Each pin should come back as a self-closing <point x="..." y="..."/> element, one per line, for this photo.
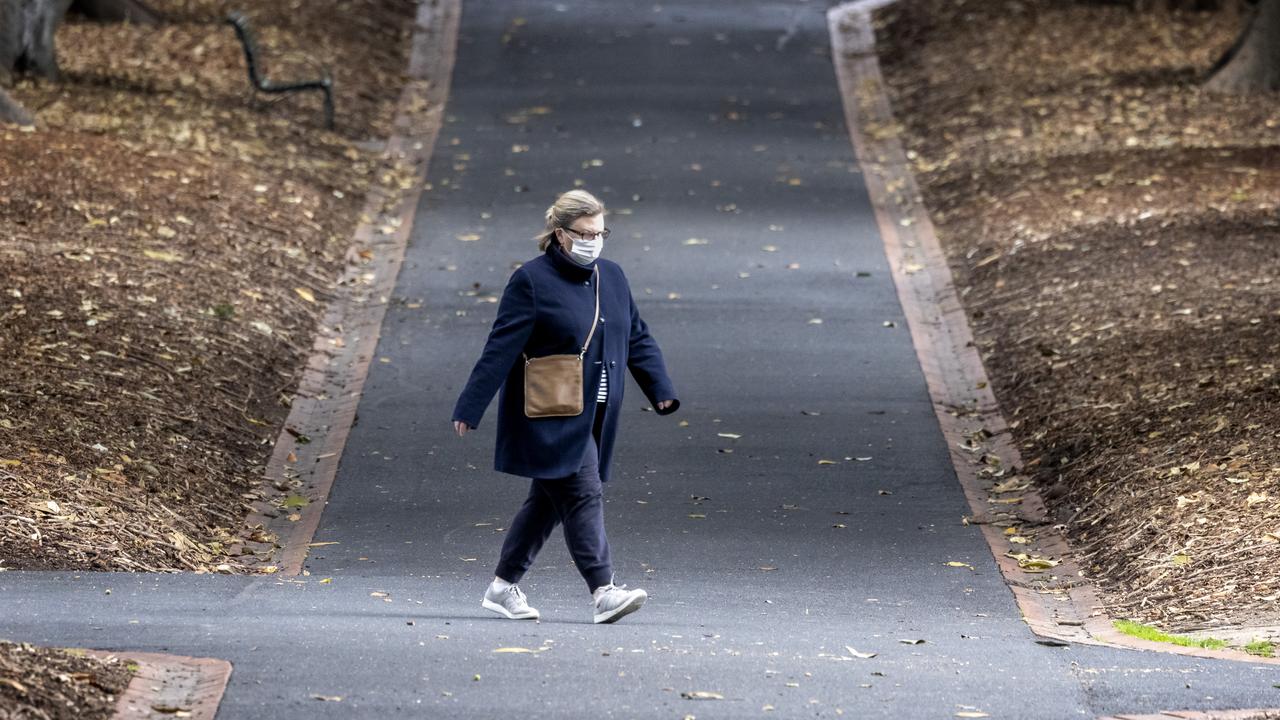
<point x="546" y="310"/>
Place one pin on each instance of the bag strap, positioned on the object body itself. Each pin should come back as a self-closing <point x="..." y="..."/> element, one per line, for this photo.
<point x="595" y="271"/>
<point x="596" y="274"/>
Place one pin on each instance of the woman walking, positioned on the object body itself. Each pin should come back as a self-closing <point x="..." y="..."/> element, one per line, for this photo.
<point x="567" y="302"/>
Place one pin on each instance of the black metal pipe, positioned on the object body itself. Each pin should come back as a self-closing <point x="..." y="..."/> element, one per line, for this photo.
<point x="324" y="85"/>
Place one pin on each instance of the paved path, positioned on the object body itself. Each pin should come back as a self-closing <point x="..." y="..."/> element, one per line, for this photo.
<point x="708" y="120"/>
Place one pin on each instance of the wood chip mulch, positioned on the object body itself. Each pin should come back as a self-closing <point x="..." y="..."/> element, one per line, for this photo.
<point x="168" y="239"/>
<point x="1112" y="231"/>
<point x="40" y="683"/>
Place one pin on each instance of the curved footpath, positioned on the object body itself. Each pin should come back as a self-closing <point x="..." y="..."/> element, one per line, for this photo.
<point x="692" y="120"/>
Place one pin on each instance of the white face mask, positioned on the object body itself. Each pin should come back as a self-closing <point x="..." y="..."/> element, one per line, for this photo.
<point x="586" y="250"/>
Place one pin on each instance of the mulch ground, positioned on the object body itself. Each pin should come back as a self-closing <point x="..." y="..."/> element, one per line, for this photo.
<point x="1112" y="231"/>
<point x="168" y="238"/>
<point x="39" y="683"/>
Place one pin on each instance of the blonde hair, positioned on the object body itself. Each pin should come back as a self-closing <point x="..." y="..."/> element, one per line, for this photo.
<point x="568" y="207"/>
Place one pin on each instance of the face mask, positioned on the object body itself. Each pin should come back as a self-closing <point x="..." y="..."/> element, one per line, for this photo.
<point x="586" y="250"/>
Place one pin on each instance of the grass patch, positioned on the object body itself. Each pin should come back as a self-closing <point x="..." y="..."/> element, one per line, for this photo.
<point x="1260" y="647"/>
<point x="1146" y="632"/>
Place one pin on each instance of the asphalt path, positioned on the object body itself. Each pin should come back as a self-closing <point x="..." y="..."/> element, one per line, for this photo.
<point x="713" y="131"/>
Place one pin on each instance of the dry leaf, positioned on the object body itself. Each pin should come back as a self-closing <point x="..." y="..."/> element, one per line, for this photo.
<point x="162" y="255"/>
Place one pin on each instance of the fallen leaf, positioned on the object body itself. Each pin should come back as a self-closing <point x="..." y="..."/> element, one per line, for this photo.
<point x="1011" y="485"/>
<point x="162" y="255"/>
<point x="1031" y="563"/>
<point x="857" y="654"/>
<point x="700" y="695"/>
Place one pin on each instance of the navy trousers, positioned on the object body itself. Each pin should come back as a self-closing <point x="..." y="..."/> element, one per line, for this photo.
<point x="577" y="502"/>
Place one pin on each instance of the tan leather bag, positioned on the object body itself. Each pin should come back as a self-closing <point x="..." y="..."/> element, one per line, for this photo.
<point x="553" y="383"/>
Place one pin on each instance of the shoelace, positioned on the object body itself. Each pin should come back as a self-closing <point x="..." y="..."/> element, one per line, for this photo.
<point x="515" y="590"/>
<point x="607" y="588"/>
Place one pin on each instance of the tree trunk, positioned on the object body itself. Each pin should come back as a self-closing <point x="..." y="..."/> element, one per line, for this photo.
<point x="27" y="30"/>
<point x="26" y="43"/>
<point x="1252" y="65"/>
<point x="26" y="36"/>
<point x="12" y="112"/>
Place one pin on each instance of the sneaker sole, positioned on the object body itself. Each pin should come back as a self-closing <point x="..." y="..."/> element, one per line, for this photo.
<point x="622" y="610"/>
<point x="490" y="605"/>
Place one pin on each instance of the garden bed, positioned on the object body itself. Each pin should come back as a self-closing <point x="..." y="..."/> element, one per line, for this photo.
<point x="169" y="238"/>
<point x="1113" y="235"/>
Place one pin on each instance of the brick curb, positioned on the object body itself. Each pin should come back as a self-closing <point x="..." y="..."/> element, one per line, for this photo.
<point x="168" y="686"/>
<point x="1059" y="602"/>
<point x="1251" y="714"/>
<point x="307" y="452"/>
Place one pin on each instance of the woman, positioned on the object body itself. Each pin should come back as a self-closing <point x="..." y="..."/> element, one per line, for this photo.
<point x="547" y="308"/>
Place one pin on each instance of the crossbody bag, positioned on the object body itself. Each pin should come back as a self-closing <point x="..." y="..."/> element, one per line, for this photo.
<point x="553" y="383"/>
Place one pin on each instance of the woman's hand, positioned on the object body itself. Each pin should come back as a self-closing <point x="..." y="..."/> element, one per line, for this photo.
<point x="460" y="427"/>
<point x="664" y="404"/>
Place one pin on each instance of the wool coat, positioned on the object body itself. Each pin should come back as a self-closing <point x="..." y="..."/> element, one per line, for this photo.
<point x="546" y="309"/>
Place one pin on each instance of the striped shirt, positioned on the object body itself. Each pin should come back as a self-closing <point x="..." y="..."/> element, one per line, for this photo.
<point x="603" y="394"/>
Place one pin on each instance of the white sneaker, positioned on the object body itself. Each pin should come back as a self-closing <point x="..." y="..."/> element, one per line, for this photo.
<point x="613" y="602"/>
<point x="509" y="603"/>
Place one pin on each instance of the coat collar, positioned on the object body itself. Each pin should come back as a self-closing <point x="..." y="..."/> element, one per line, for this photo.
<point x="567" y="266"/>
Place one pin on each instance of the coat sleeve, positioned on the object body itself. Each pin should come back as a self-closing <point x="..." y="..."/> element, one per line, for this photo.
<point x="511" y="330"/>
<point x="644" y="359"/>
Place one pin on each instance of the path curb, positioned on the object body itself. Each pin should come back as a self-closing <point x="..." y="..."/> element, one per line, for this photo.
<point x="1060" y="604"/>
<point x="1261" y="714"/>
<point x="167" y="686"/>
<point x="307" y="452"/>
